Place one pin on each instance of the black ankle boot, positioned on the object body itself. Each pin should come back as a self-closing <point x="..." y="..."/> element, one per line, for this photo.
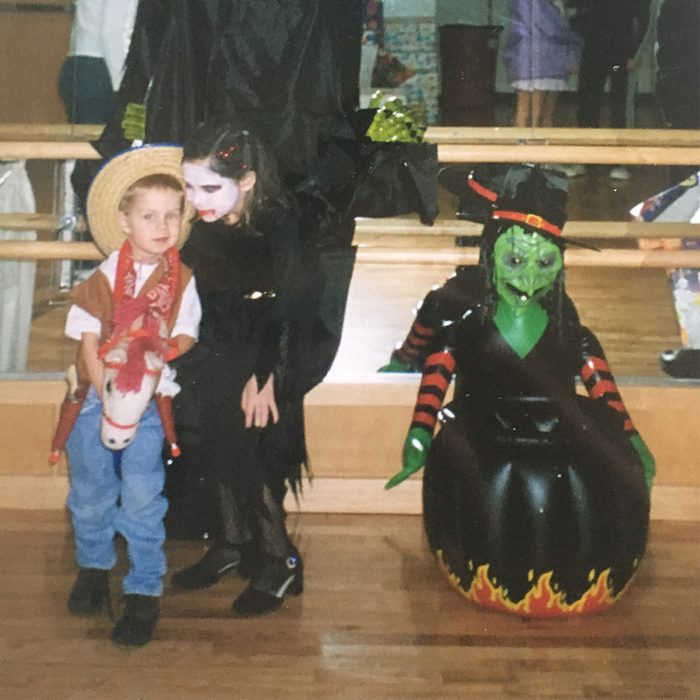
<point x="250" y="555"/>
<point x="217" y="561"/>
<point x="136" y="626"/>
<point x="89" y="592"/>
<point x="275" y="578"/>
<point x="681" y="364"/>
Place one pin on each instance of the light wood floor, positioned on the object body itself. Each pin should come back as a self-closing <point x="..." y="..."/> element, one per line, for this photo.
<point x="377" y="620"/>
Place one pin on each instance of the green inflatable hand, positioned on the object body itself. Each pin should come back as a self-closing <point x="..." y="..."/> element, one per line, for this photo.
<point x="415" y="451"/>
<point x="395" y="365"/>
<point x="647" y="459"/>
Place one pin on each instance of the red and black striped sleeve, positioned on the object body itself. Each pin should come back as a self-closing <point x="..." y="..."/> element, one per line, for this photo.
<point x="598" y="378"/>
<point x="437" y="375"/>
<point x="414" y="347"/>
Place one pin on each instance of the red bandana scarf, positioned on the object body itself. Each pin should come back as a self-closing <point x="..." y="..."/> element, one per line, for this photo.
<point x="152" y="309"/>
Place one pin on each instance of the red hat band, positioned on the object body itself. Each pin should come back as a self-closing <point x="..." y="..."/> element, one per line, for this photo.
<point x="484" y="192"/>
<point x="532" y="220"/>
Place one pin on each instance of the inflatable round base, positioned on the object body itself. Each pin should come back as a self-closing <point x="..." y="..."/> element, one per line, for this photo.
<point x="538" y="527"/>
<point x="543" y="599"/>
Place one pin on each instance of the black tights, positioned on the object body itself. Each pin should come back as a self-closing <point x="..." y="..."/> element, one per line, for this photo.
<point x="268" y="527"/>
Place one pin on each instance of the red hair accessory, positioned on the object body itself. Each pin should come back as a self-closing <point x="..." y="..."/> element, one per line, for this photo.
<point x="225" y="153"/>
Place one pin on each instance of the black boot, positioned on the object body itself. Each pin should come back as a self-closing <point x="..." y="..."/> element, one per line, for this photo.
<point x="136" y="626"/>
<point x="217" y="561"/>
<point x="681" y="364"/>
<point x="275" y="578"/>
<point x="89" y="592"/>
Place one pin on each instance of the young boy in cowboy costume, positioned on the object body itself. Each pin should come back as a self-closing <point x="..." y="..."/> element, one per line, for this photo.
<point x="136" y="211"/>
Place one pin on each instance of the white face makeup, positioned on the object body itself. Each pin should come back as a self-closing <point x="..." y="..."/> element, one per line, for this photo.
<point x="212" y="195"/>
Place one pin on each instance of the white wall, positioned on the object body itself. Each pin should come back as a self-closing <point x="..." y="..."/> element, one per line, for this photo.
<point x="409" y="8"/>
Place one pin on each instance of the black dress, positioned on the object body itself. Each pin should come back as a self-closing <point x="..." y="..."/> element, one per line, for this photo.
<point x="229" y="476"/>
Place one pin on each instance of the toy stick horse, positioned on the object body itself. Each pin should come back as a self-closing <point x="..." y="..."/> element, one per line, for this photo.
<point x="134" y="359"/>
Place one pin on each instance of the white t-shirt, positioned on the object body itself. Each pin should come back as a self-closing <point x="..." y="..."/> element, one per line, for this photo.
<point x="102" y="29"/>
<point x="85" y="37"/>
<point x="118" y="17"/>
<point x="80" y="321"/>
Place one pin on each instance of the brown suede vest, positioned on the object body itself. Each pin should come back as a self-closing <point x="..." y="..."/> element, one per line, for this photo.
<point x="95" y="296"/>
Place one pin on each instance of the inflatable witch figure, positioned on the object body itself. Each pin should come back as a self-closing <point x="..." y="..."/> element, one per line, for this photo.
<point x="536" y="499"/>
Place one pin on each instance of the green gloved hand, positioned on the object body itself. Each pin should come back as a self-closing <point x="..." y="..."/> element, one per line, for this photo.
<point x="134" y="122"/>
<point x="415" y="452"/>
<point x="647" y="459"/>
<point x="395" y="365"/>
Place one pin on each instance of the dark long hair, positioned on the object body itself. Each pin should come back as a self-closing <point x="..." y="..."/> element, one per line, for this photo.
<point x="232" y="151"/>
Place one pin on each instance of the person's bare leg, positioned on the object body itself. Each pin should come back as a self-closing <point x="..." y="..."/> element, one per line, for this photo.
<point x="523" y="108"/>
<point x="549" y="107"/>
<point x="537" y="106"/>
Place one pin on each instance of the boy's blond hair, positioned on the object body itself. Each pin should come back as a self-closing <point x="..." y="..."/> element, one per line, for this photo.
<point x="158" y="181"/>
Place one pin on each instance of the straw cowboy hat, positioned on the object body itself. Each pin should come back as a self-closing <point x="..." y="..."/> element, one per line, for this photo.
<point x="116" y="176"/>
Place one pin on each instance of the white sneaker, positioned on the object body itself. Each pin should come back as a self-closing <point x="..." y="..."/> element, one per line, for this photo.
<point x="570" y="169"/>
<point x="619" y="173"/>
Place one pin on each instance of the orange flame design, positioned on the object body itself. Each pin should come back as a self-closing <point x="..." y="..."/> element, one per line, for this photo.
<point x="542" y="600"/>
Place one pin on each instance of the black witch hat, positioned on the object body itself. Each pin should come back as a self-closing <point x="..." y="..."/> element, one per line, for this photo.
<point x="477" y="186"/>
<point x="534" y="198"/>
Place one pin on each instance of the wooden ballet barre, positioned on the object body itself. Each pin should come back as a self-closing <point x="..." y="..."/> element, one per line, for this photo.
<point x="455" y="145"/>
<point x="562" y="136"/>
<point x="610" y="155"/>
<point x="50" y="132"/>
<point x="434" y="134"/>
<point x="47" y="150"/>
<point x="608" y="257"/>
<point x="49" y="250"/>
<point x="412" y="227"/>
<point x="573" y="229"/>
<point x="447" y="153"/>
<point x="34" y="222"/>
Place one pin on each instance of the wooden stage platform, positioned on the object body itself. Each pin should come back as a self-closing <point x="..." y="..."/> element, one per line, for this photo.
<point x="376" y="620"/>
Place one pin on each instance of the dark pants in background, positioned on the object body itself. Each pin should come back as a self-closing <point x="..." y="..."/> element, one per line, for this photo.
<point x="86" y="90"/>
<point x="597" y="65"/>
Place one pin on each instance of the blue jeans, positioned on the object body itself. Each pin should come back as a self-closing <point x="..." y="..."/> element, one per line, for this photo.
<point x="102" y="503"/>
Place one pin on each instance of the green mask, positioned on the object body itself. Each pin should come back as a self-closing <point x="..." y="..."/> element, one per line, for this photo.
<point x="526" y="265"/>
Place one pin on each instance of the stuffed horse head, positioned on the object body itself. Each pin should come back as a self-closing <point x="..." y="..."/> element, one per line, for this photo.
<point x="133" y="362"/>
<point x="122" y="408"/>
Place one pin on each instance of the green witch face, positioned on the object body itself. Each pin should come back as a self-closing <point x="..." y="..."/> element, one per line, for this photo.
<point x="526" y="265"/>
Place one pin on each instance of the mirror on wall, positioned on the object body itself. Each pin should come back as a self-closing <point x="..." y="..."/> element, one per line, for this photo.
<point x="459" y="63"/>
<point x="449" y="62"/>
